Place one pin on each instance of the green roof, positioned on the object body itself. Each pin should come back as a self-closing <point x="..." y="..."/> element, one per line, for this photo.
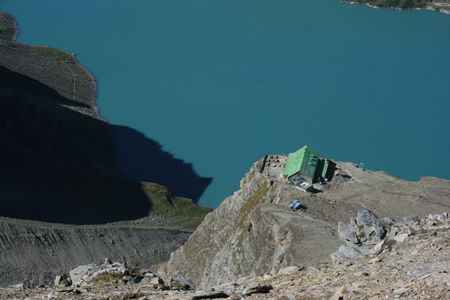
<point x="304" y="161"/>
<point x="325" y="168"/>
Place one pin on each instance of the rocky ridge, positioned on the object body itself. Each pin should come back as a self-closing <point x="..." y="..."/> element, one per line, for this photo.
<point x="412" y="264"/>
<point x="254" y="232"/>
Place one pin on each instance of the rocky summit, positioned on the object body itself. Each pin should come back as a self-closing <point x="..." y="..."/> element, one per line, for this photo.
<point x="254" y="232"/>
<point x="411" y="263"/>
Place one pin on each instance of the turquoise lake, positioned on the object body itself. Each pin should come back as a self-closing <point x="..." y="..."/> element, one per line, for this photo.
<point x="220" y="83"/>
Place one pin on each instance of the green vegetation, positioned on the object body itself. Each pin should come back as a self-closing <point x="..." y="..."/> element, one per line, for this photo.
<point x="7" y="27"/>
<point x="178" y="212"/>
<point x="248" y="206"/>
<point x="252" y="202"/>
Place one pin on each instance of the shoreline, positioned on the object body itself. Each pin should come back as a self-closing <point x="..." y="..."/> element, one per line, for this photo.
<point x="91" y="100"/>
<point x="438" y="10"/>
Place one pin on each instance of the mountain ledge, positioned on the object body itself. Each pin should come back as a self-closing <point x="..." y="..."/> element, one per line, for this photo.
<point x="253" y="232"/>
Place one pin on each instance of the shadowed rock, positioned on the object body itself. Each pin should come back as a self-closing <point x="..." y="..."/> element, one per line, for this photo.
<point x="60" y="165"/>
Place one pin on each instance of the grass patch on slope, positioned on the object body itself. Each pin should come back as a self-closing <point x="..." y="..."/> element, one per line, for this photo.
<point x="179" y="212"/>
<point x="251" y="203"/>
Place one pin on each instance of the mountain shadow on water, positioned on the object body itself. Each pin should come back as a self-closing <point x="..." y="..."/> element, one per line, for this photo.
<point x="59" y="165"/>
<point x="142" y="159"/>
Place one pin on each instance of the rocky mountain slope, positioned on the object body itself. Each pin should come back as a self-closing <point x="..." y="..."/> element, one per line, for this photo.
<point x="33" y="253"/>
<point x="62" y="163"/>
<point x="411" y="264"/>
<point x="254" y="232"/>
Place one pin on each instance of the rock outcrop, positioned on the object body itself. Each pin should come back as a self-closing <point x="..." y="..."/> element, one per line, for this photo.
<point x="8" y="27"/>
<point x="254" y="232"/>
<point x="364" y="235"/>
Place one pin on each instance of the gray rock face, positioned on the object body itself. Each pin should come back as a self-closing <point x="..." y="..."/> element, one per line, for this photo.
<point x="34" y="252"/>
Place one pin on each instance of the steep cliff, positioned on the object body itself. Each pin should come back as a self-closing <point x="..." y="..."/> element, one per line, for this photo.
<point x="254" y="232"/>
<point x="62" y="163"/>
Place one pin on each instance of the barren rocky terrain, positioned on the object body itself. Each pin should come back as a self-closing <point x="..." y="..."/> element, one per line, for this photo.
<point x="412" y="263"/>
<point x="33" y="253"/>
<point x="254" y="232"/>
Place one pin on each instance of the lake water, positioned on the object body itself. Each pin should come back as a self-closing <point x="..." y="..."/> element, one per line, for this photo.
<point x="221" y="83"/>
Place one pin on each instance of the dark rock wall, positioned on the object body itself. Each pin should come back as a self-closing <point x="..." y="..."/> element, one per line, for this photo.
<point x="35" y="253"/>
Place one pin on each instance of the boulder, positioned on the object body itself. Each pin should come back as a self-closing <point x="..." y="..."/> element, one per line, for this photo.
<point x="365" y="229"/>
<point x="371" y="230"/>
<point x="401" y="237"/>
<point x="82" y="273"/>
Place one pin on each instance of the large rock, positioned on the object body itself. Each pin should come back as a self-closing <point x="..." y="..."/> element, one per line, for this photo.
<point x="363" y="236"/>
<point x="83" y="273"/>
<point x="365" y="229"/>
<point x="371" y="230"/>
